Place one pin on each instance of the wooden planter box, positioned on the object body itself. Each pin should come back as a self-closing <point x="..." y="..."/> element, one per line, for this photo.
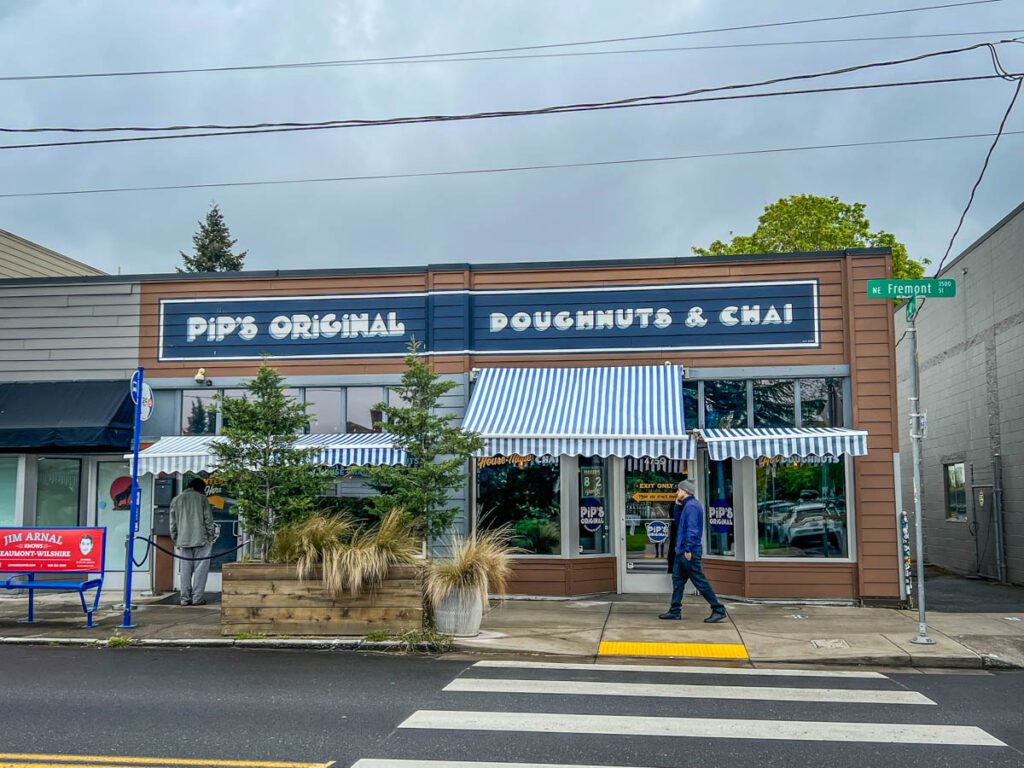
<point x="261" y="598"/>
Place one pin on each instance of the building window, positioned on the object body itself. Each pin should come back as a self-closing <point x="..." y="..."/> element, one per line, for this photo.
<point x="691" y="404"/>
<point x="522" y="492"/>
<point x="725" y="404"/>
<point x="113" y="505"/>
<point x="821" y="403"/>
<point x="801" y="507"/>
<point x="324" y="408"/>
<point x="8" y="489"/>
<point x="58" y="492"/>
<point x="593" y="513"/>
<point x="956" y="493"/>
<point x="720" y="508"/>
<point x="198" y="412"/>
<point x="362" y="415"/>
<point x="650" y="493"/>
<point x="774" y="403"/>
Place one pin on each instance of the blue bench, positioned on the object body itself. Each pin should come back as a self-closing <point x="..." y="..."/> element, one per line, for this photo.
<point x="26" y="543"/>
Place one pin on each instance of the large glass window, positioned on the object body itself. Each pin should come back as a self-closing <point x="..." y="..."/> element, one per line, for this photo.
<point x="522" y="492"/>
<point x="691" y="404"/>
<point x="774" y="403"/>
<point x="198" y="412"/>
<point x="725" y="404"/>
<point x="8" y="489"/>
<point x="821" y="402"/>
<point x="801" y="507"/>
<point x="956" y="494"/>
<point x="650" y="493"/>
<point x="362" y="415"/>
<point x="720" y="509"/>
<point x="593" y="517"/>
<point x="58" y="491"/>
<point x="325" y="412"/>
<point x="113" y="509"/>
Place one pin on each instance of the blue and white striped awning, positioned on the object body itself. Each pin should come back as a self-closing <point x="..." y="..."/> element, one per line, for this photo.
<point x="192" y="453"/>
<point x="757" y="443"/>
<point x="624" y="411"/>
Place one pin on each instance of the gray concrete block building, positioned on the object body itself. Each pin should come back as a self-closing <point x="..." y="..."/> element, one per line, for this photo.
<point x="971" y="358"/>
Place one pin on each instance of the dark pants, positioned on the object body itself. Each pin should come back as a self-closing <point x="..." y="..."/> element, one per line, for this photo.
<point x="692" y="570"/>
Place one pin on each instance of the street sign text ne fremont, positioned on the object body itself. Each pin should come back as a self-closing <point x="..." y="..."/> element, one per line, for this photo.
<point x="905" y="289"/>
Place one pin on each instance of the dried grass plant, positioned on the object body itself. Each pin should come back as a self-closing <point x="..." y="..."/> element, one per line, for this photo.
<point x="479" y="563"/>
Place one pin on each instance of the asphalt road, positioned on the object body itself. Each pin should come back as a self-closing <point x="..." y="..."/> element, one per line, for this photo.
<point x="302" y="706"/>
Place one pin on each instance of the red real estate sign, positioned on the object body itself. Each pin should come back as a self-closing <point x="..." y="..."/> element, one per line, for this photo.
<point x="52" y="550"/>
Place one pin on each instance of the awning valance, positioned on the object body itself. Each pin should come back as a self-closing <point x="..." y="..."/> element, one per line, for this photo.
<point x="192" y="453"/>
<point x="757" y="443"/>
<point x="619" y="411"/>
<point x="66" y="416"/>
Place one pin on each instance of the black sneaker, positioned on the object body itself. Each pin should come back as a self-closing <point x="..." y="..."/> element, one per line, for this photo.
<point x="200" y="601"/>
<point x="671" y="616"/>
<point x="715" y="617"/>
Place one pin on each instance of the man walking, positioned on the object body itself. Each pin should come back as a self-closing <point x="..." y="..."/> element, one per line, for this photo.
<point x="688" y="548"/>
<point x="193" y="532"/>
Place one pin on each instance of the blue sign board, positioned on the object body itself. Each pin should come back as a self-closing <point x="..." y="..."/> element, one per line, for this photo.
<point x="781" y="314"/>
<point x="657" y="531"/>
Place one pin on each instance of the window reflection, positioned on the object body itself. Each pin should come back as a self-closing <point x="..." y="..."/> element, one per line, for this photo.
<point x="361" y="414"/>
<point x="774" y="403"/>
<point x="725" y="404"/>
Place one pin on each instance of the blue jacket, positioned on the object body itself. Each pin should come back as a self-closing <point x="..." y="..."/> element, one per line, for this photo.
<point x="690" y="530"/>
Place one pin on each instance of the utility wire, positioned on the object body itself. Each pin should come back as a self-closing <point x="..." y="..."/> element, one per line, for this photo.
<point x="586" y="106"/>
<point x="493" y="115"/>
<point x="480" y="52"/>
<point x="524" y="56"/>
<point x="507" y="169"/>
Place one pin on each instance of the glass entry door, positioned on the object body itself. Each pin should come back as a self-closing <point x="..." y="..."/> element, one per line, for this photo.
<point x="650" y="492"/>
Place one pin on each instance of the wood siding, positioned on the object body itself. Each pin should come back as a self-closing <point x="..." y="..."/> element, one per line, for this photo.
<point x="23" y="258"/>
<point x="563" y="577"/>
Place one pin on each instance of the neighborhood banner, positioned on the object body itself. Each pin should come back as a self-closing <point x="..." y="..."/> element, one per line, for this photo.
<point x="51" y="550"/>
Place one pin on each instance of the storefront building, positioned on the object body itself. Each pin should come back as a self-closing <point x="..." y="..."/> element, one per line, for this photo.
<point x="596" y="386"/>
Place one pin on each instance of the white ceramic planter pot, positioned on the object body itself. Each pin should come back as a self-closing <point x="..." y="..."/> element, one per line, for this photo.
<point x="459" y="614"/>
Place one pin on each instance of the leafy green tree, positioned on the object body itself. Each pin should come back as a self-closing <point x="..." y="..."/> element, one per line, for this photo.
<point x="212" y="245"/>
<point x="437" y="450"/>
<point x="804" y="223"/>
<point x="273" y="482"/>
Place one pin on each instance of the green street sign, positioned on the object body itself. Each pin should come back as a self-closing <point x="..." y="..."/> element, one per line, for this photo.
<point x="942" y="288"/>
<point x="911" y="308"/>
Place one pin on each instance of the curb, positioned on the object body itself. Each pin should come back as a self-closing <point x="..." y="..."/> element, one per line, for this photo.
<point x="216" y="642"/>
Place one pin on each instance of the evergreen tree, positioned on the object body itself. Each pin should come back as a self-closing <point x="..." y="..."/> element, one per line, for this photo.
<point x="437" y="451"/>
<point x="213" y="244"/>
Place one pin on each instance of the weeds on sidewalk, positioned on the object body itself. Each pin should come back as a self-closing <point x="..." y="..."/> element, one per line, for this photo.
<point x="119" y="641"/>
<point x="414" y="640"/>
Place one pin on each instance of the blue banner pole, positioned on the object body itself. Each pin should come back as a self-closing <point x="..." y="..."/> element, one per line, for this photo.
<point x="136" y="391"/>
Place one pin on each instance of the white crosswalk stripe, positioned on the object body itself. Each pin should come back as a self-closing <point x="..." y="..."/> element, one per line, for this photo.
<point x="557" y="685"/>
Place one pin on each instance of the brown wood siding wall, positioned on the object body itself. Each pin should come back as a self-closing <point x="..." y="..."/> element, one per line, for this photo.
<point x="873" y="386"/>
<point x="726" y="576"/>
<point x="829" y="273"/>
<point x="562" y="578"/>
<point x="801" y="580"/>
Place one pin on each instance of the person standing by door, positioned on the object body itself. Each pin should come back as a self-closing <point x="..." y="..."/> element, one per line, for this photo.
<point x="193" y="532"/>
<point x="688" y="548"/>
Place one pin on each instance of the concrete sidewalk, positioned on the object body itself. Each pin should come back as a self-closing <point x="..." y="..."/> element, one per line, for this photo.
<point x="604" y="627"/>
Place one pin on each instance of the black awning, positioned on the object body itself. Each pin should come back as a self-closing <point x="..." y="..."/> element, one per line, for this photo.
<point x="66" y="416"/>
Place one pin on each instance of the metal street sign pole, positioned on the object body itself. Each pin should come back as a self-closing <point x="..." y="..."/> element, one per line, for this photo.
<point x="915" y="441"/>
<point x="137" y="395"/>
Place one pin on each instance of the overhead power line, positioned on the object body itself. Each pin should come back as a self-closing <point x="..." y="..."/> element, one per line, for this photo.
<point x="459" y="55"/>
<point x="506" y="169"/>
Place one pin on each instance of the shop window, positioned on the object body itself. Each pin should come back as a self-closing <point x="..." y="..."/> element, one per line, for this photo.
<point x="113" y="509"/>
<point x="691" y="404"/>
<point x="956" y="493"/>
<point x="801" y="507"/>
<point x="324" y="408"/>
<point x="725" y="404"/>
<point x="650" y="494"/>
<point x="198" y="412"/>
<point x="821" y="402"/>
<point x="523" y="493"/>
<point x="593" y="516"/>
<point x="8" y="489"/>
<point x="719" y="508"/>
<point x="362" y="415"/>
<point x="774" y="403"/>
<point x="58" y="491"/>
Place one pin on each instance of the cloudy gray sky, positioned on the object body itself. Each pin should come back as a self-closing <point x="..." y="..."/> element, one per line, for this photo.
<point x="646" y="210"/>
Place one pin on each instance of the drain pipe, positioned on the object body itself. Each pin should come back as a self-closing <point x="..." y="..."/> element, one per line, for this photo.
<point x="997" y="515"/>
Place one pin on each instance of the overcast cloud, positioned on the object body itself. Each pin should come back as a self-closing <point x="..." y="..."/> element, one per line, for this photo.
<point x="648" y="210"/>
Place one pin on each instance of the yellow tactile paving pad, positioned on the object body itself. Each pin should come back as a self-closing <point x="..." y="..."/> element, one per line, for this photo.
<point x="677" y="650"/>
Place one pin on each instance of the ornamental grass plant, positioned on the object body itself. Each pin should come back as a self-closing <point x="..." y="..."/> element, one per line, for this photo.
<point x="478" y="564"/>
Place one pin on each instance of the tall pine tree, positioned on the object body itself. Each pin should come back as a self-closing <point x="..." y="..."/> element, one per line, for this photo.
<point x="213" y="244"/>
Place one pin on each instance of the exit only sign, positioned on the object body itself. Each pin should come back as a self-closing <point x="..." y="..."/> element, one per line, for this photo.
<point x="942" y="288"/>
